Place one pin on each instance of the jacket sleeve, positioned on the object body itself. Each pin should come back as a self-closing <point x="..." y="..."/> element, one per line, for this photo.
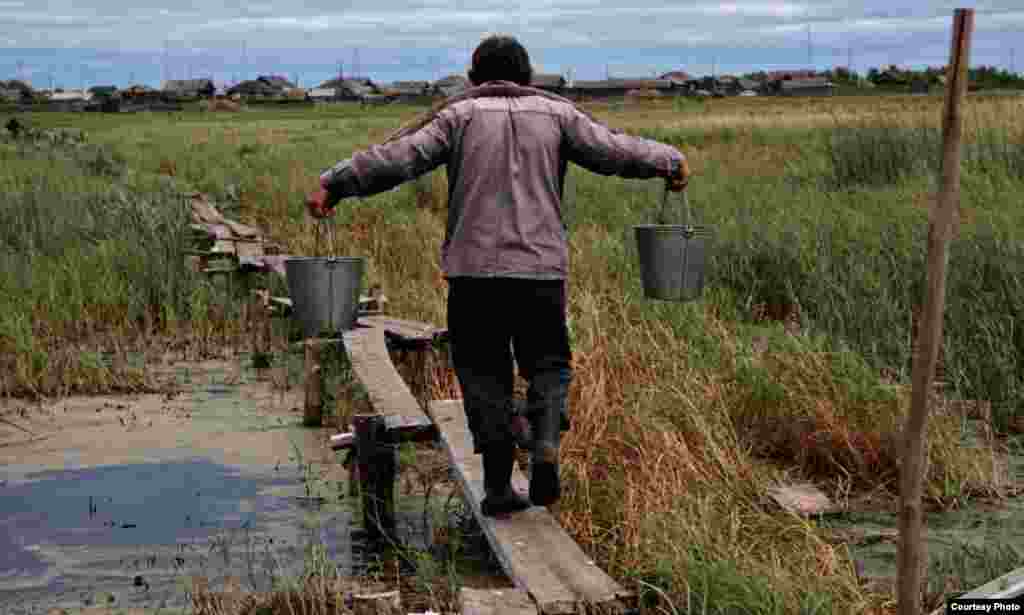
<point x="600" y="149"/>
<point x="385" y="166"/>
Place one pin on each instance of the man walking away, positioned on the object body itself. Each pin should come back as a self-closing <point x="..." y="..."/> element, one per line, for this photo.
<point x="505" y="252"/>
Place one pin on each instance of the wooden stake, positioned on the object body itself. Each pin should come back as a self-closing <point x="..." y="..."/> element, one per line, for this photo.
<point x="912" y="553"/>
<point x="313" y="416"/>
<point x="376" y="466"/>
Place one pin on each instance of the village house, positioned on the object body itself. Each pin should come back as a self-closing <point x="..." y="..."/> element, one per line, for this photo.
<point x="189" y="88"/>
<point x="548" y="82"/>
<point x="678" y="77"/>
<point x="322" y="94"/>
<point x="408" y="91"/>
<point x="451" y="85"/>
<point x="70" y="95"/>
<point x="804" y="87"/>
<point x="252" y="88"/>
<point x="616" y="88"/>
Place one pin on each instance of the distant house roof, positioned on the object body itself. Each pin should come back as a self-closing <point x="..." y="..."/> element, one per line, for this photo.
<point x="16" y="84"/>
<point x="254" y="87"/>
<point x="323" y="93"/>
<point x="276" y="81"/>
<point x="680" y="76"/>
<point x="797" y="84"/>
<point x="70" y="95"/>
<point x="452" y="80"/>
<point x="625" y="84"/>
<point x="356" y="88"/>
<point x="409" y="85"/>
<point x="103" y="90"/>
<point x="776" y="75"/>
<point x="189" y="85"/>
<point x="334" y="83"/>
<point x="408" y="88"/>
<point x="541" y="80"/>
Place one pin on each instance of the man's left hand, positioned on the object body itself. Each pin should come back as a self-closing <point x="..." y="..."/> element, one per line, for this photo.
<point x="321" y="204"/>
<point x="678" y="181"/>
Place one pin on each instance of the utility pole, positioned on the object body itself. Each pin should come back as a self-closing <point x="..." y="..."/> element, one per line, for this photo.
<point x="245" y="62"/>
<point x="1013" y="66"/>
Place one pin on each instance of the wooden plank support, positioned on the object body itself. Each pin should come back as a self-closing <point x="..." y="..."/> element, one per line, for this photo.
<point x="533" y="549"/>
<point x="376" y="465"/>
<point x="313" y="408"/>
<point x="512" y="601"/>
<point x="400" y="429"/>
<point x="375" y="440"/>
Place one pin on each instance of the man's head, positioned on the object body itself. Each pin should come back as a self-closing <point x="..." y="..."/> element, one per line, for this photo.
<point x="500" y="58"/>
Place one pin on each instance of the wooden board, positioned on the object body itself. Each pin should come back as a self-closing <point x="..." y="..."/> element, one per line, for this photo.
<point x="248" y="250"/>
<point x="533" y="549"/>
<point x="388" y="393"/>
<point x="408" y="330"/>
<point x="242" y="230"/>
<point x="510" y="601"/>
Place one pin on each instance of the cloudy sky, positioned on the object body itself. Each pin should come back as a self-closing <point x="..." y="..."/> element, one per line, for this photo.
<point x="111" y="41"/>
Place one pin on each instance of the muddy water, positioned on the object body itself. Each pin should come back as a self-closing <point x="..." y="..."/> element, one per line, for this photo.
<point x="975" y="542"/>
<point x="119" y="501"/>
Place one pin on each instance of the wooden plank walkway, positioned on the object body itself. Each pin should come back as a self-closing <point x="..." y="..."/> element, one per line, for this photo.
<point x="552" y="574"/>
<point x="388" y="392"/>
<point x="534" y="550"/>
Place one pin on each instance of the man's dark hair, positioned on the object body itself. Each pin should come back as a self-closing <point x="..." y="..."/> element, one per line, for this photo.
<point x="500" y="58"/>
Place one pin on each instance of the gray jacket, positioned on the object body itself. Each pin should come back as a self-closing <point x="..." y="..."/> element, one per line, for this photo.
<point x="506" y="160"/>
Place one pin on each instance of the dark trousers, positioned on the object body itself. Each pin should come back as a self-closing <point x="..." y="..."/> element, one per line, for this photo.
<point x="493" y="321"/>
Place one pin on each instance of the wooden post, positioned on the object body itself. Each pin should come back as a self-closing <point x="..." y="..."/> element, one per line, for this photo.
<point x="912" y="554"/>
<point x="313" y="415"/>
<point x="376" y="465"/>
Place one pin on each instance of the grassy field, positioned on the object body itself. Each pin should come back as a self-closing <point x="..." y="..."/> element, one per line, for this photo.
<point x="794" y="365"/>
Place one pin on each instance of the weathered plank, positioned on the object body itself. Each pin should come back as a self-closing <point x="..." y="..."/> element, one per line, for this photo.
<point x="388" y="393"/>
<point x="533" y="549"/>
<point x="399" y="429"/>
<point x="512" y="601"/>
<point x="242" y="230"/>
<point x="408" y="330"/>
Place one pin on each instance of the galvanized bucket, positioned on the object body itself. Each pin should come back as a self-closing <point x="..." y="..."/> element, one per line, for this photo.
<point x="673" y="258"/>
<point x="325" y="292"/>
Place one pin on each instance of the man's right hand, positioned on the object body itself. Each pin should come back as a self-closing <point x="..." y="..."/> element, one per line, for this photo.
<point x="680" y="179"/>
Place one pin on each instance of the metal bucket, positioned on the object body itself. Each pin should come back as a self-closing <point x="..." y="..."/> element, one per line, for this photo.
<point x="673" y="260"/>
<point x="673" y="257"/>
<point x="325" y="292"/>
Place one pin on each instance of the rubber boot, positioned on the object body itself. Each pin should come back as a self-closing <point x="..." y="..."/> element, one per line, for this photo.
<point x="499" y="496"/>
<point x="551" y="392"/>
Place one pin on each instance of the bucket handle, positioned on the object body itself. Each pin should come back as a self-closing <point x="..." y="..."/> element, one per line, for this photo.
<point x="662" y="219"/>
<point x="324" y="226"/>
